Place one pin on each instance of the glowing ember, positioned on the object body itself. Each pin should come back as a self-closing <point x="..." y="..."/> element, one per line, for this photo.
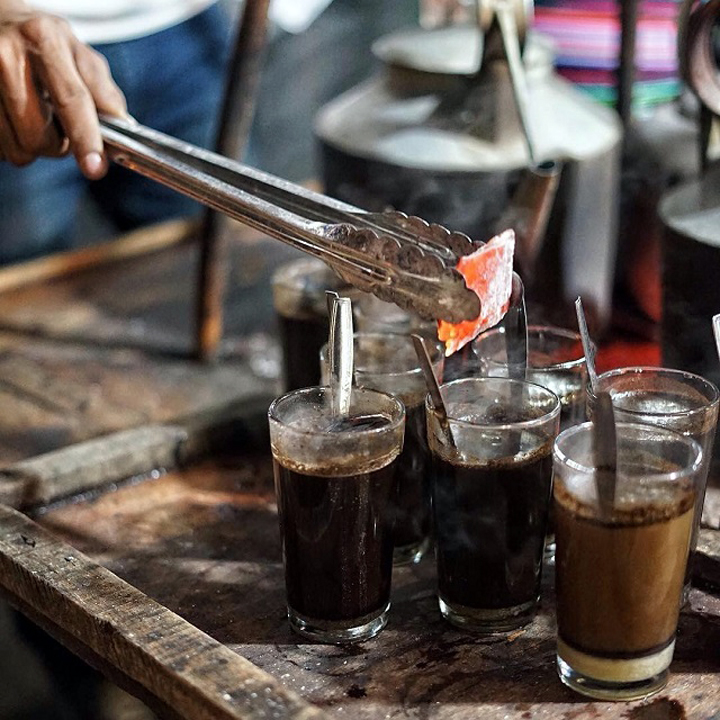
<point x="488" y="272"/>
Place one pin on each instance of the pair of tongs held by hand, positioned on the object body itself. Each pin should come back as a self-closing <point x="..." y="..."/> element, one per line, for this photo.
<point x="400" y="259"/>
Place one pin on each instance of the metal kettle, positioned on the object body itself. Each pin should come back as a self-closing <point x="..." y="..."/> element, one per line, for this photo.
<point x="447" y="130"/>
<point x="690" y="213"/>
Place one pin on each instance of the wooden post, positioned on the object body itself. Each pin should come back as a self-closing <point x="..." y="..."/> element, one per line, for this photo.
<point x="626" y="69"/>
<point x="235" y="121"/>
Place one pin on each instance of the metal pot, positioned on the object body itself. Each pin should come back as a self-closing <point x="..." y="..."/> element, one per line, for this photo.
<point x="438" y="134"/>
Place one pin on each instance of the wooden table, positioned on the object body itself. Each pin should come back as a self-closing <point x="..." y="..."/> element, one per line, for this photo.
<point x="139" y="528"/>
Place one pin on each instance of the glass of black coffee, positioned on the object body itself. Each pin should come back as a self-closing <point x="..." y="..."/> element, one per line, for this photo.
<point x="301" y="307"/>
<point x="335" y="480"/>
<point x="556" y="360"/>
<point x="491" y="477"/>
<point x="620" y="568"/>
<point x="388" y="362"/>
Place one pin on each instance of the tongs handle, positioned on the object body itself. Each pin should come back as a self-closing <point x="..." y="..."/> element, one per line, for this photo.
<point x="277" y="207"/>
<point x="202" y="173"/>
<point x="331" y="230"/>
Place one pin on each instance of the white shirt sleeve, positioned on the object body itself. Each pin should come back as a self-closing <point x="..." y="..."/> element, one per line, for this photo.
<point x="101" y="21"/>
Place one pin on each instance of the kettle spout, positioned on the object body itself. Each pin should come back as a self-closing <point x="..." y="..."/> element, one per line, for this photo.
<point x="528" y="212"/>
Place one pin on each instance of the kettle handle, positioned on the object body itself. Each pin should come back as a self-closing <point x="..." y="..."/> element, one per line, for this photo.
<point x="698" y="66"/>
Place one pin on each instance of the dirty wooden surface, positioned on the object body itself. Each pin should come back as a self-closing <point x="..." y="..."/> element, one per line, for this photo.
<point x="204" y="543"/>
<point x="131" y="638"/>
<point x="88" y="348"/>
<point x="106" y="350"/>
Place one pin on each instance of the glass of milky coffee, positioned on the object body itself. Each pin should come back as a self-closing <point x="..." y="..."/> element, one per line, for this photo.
<point x="619" y="567"/>
<point x="668" y="398"/>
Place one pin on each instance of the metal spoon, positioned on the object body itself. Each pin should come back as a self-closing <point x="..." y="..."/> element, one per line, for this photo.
<point x="587" y="344"/>
<point x="340" y="354"/>
<point x="516" y="332"/>
<point x="605" y="453"/>
<point x="716" y="332"/>
<point x="433" y="387"/>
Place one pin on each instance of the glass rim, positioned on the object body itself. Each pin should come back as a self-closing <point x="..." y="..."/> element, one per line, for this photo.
<point x="555" y="330"/>
<point x="410" y="372"/>
<point x="560" y="456"/>
<point x="519" y="424"/>
<point x="318" y="390"/>
<point x="638" y="370"/>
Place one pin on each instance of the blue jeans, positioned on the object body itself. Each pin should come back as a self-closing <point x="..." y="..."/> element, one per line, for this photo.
<point x="173" y="81"/>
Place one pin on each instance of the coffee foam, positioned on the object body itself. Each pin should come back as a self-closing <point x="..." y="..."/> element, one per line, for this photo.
<point x="346" y="467"/>
<point x="652" y="504"/>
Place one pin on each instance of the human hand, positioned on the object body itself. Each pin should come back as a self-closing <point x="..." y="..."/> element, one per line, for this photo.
<point x="52" y="87"/>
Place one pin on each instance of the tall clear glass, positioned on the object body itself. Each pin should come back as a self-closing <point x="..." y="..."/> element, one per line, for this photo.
<point x="388" y="362"/>
<point x="491" y="490"/>
<point x="334" y="480"/>
<point x="620" y="569"/>
<point x="673" y="399"/>
<point x="556" y="360"/>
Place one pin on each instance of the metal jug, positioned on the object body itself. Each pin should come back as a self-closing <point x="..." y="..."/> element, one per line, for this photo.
<point x="439" y="133"/>
<point x="690" y="213"/>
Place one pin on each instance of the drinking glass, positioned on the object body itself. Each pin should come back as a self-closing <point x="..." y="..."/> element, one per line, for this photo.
<point x="620" y="569"/>
<point x="300" y="304"/>
<point x="388" y="362"/>
<point x="334" y="480"/>
<point x="672" y="399"/>
<point x="491" y="489"/>
<point x="556" y="360"/>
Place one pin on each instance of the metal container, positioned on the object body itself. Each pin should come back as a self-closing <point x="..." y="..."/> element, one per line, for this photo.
<point x="438" y="134"/>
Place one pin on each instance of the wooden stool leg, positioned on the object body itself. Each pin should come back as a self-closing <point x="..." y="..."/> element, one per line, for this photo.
<point x="234" y="128"/>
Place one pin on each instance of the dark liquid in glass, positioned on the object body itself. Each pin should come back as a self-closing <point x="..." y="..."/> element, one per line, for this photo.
<point x="338" y="546"/>
<point x="412" y="498"/>
<point x="301" y="340"/>
<point x="490" y="523"/>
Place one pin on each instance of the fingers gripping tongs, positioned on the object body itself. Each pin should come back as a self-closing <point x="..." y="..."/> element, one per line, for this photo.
<point x="400" y="259"/>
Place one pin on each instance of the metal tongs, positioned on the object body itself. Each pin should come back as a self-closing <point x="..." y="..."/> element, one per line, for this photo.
<point x="400" y="259"/>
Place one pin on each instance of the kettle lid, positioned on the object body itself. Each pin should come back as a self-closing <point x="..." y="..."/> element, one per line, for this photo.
<point x="452" y="50"/>
<point x="693" y="209"/>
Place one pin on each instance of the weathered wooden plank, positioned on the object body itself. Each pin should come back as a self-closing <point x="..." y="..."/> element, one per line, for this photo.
<point x="88" y="465"/>
<point x="707" y="559"/>
<point x="189" y="672"/>
<point x="140" y="242"/>
<point x="711" y="508"/>
<point x="96" y="348"/>
<point x="54" y="395"/>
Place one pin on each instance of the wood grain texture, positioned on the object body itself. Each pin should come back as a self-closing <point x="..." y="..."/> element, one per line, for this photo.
<point x="90" y="464"/>
<point x="143" y="241"/>
<point x="107" y="346"/>
<point x="204" y="542"/>
<point x="186" y="670"/>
